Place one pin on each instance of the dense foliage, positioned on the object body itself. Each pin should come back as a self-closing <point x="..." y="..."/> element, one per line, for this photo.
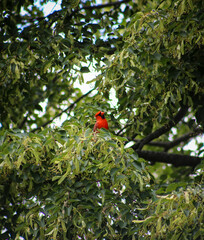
<point x="65" y="182"/>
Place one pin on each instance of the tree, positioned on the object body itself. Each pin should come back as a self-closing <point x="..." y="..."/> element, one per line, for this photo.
<point x="136" y="181"/>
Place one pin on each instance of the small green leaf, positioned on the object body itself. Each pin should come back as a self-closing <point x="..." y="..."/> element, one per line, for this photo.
<point x="113" y="172"/>
<point x="63" y="177"/>
<point x="56" y="178"/>
<point x="190" y="4"/>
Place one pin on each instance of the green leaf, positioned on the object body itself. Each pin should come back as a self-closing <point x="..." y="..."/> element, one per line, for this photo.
<point x="190" y="4"/>
<point x="113" y="172"/>
<point x="157" y="56"/>
<point x="63" y="177"/>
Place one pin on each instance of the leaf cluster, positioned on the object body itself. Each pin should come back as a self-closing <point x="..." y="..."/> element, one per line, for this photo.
<point x="67" y="182"/>
<point x="177" y="215"/>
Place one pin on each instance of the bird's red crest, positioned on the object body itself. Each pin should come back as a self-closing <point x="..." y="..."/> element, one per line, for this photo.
<point x="99" y="113"/>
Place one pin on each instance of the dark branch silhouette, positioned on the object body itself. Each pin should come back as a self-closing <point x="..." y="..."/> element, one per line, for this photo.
<point x="168" y="145"/>
<point x="175" y="159"/>
<point x="181" y="113"/>
<point x="67" y="109"/>
<point x="183" y="139"/>
<point x="121" y="130"/>
<point x="105" y="5"/>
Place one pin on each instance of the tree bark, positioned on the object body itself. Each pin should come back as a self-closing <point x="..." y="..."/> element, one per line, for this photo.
<point x="175" y="159"/>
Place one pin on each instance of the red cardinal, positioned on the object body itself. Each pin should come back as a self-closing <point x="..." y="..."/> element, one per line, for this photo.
<point x="101" y="122"/>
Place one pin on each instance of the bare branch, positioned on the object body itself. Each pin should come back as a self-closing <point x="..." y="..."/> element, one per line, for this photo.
<point x="105" y="5"/>
<point x="121" y="130"/>
<point x="175" y="159"/>
<point x="181" y="113"/>
<point x="185" y="138"/>
<point x="168" y="145"/>
<point x="67" y="109"/>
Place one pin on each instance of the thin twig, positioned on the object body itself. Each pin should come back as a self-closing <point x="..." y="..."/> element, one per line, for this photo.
<point x="65" y="110"/>
<point x="121" y="130"/>
<point x="105" y="5"/>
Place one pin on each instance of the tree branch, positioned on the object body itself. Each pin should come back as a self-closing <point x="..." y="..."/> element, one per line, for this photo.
<point x="168" y="145"/>
<point x="181" y="113"/>
<point x="68" y="108"/>
<point x="121" y="130"/>
<point x="186" y="137"/>
<point x="105" y="5"/>
<point x="175" y="159"/>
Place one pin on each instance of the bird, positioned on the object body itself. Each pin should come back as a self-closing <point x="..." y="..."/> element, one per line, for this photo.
<point x="101" y="121"/>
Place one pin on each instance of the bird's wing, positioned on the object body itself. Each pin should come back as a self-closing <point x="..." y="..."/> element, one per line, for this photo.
<point x="95" y="126"/>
